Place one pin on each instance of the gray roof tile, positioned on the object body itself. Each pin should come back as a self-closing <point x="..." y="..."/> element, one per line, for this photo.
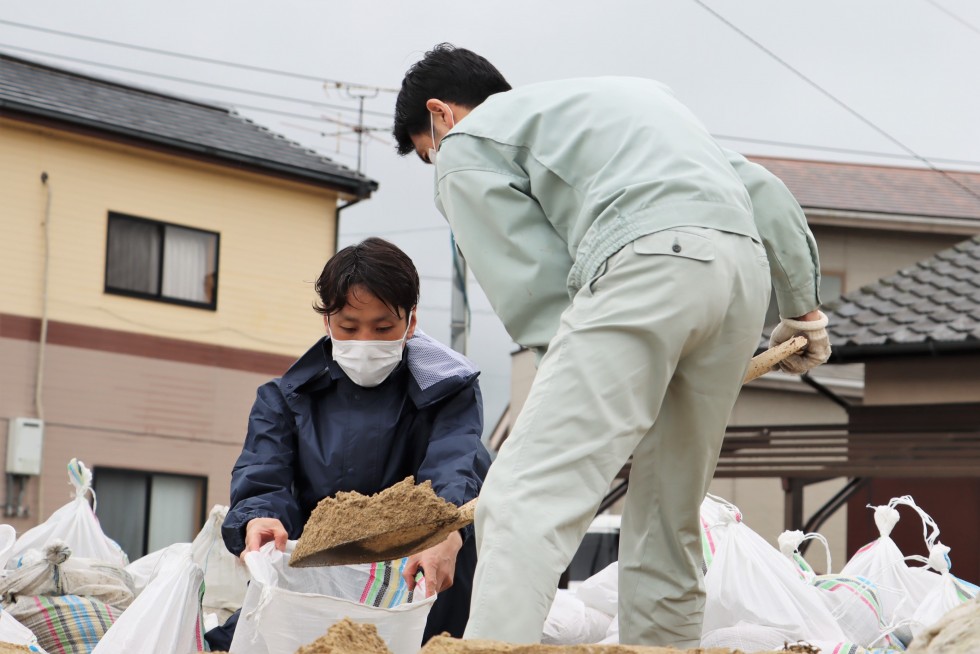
<point x="213" y="132"/>
<point x="935" y="302"/>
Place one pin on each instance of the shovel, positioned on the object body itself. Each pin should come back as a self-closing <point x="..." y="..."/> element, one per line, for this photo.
<point x="397" y="541"/>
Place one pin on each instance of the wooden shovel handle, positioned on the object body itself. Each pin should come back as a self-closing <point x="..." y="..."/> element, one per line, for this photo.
<point x="763" y="363"/>
<point x="467" y="512"/>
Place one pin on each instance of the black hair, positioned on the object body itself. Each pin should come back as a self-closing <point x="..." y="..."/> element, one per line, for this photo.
<point x="377" y="265"/>
<point x="449" y="74"/>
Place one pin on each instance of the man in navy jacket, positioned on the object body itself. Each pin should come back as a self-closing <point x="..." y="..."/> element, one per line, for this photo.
<point x="374" y="401"/>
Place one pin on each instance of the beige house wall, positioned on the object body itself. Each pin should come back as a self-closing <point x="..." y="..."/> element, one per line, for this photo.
<point x="132" y="383"/>
<point x="128" y="412"/>
<point x="863" y="256"/>
<point x="275" y="237"/>
<point x="923" y="380"/>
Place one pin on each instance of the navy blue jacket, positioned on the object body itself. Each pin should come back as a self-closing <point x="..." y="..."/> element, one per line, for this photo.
<point x="314" y="433"/>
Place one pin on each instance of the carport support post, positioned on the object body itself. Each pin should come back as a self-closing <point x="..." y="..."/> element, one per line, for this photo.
<point x="793" y="502"/>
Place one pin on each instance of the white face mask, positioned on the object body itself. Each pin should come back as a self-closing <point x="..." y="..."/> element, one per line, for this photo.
<point x="432" y="133"/>
<point x="368" y="363"/>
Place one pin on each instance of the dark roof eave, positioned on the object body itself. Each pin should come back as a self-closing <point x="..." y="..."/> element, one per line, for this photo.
<point x="359" y="188"/>
<point x="861" y="353"/>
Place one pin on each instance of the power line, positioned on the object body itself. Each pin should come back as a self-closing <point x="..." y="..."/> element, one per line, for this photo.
<point x="313" y="103"/>
<point x="954" y="16"/>
<point x="189" y="57"/>
<point x="174" y="78"/>
<point x="835" y="99"/>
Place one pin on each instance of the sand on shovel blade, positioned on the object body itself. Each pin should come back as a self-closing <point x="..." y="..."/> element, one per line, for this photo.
<point x="404" y="513"/>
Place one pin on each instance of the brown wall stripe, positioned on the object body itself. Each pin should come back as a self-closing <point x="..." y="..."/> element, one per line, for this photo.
<point x="142" y="345"/>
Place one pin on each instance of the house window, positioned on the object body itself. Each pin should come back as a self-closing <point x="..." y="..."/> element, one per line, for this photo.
<point x="831" y="288"/>
<point x="147" y="511"/>
<point x="159" y="261"/>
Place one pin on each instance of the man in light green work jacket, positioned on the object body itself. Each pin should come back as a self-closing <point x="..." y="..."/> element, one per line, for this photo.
<point x="616" y="238"/>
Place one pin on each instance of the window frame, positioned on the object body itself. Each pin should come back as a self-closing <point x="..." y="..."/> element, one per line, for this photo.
<point x="161" y="226"/>
<point x="147" y="477"/>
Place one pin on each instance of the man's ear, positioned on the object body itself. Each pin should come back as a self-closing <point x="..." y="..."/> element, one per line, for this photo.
<point x="439" y="109"/>
<point x="412" y="322"/>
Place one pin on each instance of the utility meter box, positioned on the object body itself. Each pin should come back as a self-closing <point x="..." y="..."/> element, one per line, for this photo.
<point x="24" y="439"/>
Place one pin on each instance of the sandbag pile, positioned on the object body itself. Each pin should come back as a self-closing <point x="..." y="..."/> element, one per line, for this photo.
<point x="65" y="581"/>
<point x="69" y="589"/>
<point x="68" y="603"/>
<point x="760" y="597"/>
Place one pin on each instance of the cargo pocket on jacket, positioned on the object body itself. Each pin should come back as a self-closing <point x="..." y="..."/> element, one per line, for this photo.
<point x="676" y="243"/>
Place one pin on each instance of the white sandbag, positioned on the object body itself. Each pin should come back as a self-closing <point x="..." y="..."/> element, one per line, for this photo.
<point x="601" y="590"/>
<point x="789" y="544"/>
<point x="225" y="575"/>
<point x="571" y="622"/>
<point x="612" y="633"/>
<point x="746" y="637"/>
<point x="752" y="582"/>
<point x="75" y="524"/>
<point x="900" y="588"/>
<point x="855" y="604"/>
<point x="949" y="594"/>
<point x="65" y="624"/>
<point x="166" y="617"/>
<point x="957" y="633"/>
<point x="286" y="607"/>
<point x="58" y="572"/>
<point x="716" y="516"/>
<point x="144" y="569"/>
<point x="8" y="536"/>
<point x="13" y="632"/>
<point x="847" y="647"/>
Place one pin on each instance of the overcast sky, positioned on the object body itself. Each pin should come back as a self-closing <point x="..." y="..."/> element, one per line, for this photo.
<point x="903" y="76"/>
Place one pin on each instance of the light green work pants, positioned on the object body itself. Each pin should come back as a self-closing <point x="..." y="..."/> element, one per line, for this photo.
<point x="647" y="361"/>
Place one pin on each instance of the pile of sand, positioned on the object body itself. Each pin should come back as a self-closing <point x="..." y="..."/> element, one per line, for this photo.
<point x="347" y="637"/>
<point x="446" y="645"/>
<point x="350" y="517"/>
<point x="957" y="633"/>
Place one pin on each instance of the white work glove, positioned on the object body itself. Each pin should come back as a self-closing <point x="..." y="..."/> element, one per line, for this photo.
<point x="817" y="350"/>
